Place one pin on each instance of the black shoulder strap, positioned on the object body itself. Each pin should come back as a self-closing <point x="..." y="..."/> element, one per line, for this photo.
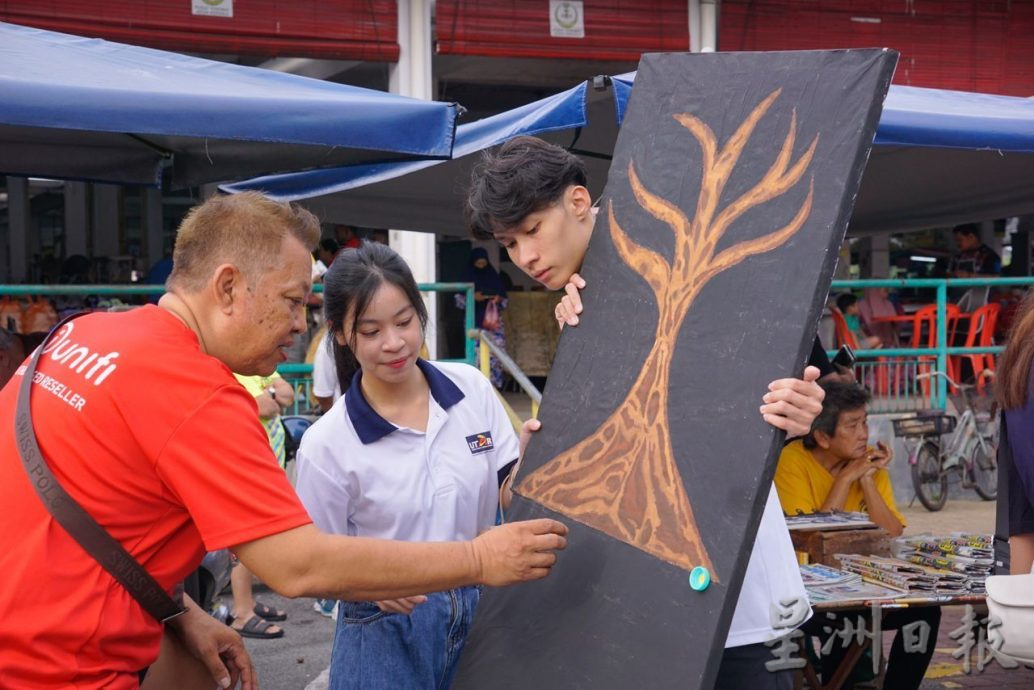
<point x="76" y="521"/>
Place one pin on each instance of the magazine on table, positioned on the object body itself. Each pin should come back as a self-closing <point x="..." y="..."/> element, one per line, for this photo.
<point x="851" y="591"/>
<point x="818" y="574"/>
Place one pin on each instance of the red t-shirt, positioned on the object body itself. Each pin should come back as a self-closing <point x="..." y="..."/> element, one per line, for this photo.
<point x="160" y="444"/>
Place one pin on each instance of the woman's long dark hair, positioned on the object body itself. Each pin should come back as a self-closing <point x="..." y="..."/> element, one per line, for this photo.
<point x="1012" y="375"/>
<point x="348" y="287"/>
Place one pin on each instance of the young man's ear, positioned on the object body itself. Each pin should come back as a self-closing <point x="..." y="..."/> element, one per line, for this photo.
<point x="579" y="200"/>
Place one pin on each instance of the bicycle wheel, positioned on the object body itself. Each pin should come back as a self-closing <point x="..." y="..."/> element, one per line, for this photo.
<point x="983" y="471"/>
<point x="930" y="483"/>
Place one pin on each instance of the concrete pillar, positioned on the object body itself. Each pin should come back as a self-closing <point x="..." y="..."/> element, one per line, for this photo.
<point x="879" y="255"/>
<point x="1021" y="247"/>
<point x="988" y="237"/>
<point x="861" y="246"/>
<point x="77" y="210"/>
<point x="411" y="76"/>
<point x="18" y="222"/>
<point x="154" y="226"/>
<point x="106" y="220"/>
<point x="207" y="191"/>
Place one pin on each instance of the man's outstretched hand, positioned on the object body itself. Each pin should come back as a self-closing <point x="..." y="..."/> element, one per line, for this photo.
<point x="518" y="551"/>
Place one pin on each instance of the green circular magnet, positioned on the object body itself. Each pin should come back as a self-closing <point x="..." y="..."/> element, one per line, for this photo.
<point x="699" y="578"/>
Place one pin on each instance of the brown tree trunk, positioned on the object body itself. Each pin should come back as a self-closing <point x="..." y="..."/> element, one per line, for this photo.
<point x="623" y="480"/>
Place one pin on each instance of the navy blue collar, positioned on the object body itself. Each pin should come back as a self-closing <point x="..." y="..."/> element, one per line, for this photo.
<point x="371" y="426"/>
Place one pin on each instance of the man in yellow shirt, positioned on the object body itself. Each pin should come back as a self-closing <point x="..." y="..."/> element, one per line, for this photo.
<point x="834" y="468"/>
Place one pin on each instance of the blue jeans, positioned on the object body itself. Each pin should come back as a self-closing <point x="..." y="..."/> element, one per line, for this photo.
<point x="374" y="650"/>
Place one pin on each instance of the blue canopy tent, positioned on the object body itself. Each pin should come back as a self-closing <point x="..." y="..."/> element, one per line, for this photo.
<point x="87" y="109"/>
<point x="941" y="157"/>
<point x="428" y="195"/>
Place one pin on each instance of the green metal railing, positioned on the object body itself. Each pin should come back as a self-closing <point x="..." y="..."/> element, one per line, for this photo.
<point x="943" y="349"/>
<point x="489" y="349"/>
<point x="300" y="373"/>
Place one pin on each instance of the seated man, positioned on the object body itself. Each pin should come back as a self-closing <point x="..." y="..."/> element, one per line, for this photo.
<point x="834" y="468"/>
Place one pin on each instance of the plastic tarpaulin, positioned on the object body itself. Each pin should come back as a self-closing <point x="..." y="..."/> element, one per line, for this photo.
<point x="947" y="157"/>
<point x="941" y="157"/>
<point x="584" y="118"/>
<point x="78" y="108"/>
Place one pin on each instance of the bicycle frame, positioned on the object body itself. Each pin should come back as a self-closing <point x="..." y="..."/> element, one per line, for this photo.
<point x="956" y="451"/>
<point x="969" y="449"/>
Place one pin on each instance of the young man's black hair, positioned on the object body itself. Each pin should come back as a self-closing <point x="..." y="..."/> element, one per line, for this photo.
<point x="522" y="176"/>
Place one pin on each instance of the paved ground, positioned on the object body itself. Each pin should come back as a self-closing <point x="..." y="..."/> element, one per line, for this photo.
<point x="293" y="661"/>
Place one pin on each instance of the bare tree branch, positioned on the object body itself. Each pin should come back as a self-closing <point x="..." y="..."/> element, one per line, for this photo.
<point x="730" y="154"/>
<point x="658" y="207"/>
<point x="646" y="262"/>
<point x="775" y="183"/>
<point x="716" y="171"/>
<point x="738" y="252"/>
<point x="708" y="198"/>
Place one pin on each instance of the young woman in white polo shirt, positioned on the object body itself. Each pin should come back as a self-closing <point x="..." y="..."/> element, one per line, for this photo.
<point x="414" y="451"/>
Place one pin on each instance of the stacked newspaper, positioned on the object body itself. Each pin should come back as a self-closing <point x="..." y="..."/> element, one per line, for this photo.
<point x="826" y="584"/>
<point x="968" y="556"/>
<point x="903" y="575"/>
<point x="818" y="575"/>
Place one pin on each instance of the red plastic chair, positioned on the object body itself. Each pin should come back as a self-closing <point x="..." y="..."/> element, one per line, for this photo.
<point x="924" y="335"/>
<point x="982" y="324"/>
<point x="843" y="336"/>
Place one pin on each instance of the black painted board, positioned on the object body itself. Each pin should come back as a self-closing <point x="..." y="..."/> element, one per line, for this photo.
<point x="652" y="448"/>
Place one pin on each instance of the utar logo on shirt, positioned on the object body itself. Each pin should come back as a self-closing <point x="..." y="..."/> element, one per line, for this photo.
<point x="479" y="443"/>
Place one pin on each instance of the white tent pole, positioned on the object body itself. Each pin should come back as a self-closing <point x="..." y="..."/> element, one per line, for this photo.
<point x="411" y="76"/>
<point x="708" y="26"/>
<point x="693" y="7"/>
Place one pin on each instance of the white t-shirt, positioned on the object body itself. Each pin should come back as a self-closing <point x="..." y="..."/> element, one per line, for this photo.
<point x="318" y="269"/>
<point x="324" y="374"/>
<point x="359" y="474"/>
<point x="772" y="575"/>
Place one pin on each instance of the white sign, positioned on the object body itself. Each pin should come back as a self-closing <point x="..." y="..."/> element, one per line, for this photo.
<point x="214" y="8"/>
<point x="566" y="19"/>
